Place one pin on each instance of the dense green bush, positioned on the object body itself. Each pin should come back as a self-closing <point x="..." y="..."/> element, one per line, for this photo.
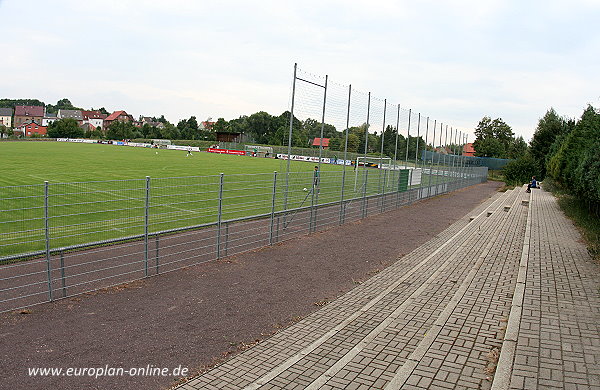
<point x="574" y="159"/>
<point x="521" y="170"/>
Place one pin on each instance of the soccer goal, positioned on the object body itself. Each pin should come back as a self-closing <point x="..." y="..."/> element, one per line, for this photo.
<point x="373" y="162"/>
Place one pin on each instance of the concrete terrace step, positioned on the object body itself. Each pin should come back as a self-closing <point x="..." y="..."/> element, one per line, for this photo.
<point x="553" y="335"/>
<point x="428" y="320"/>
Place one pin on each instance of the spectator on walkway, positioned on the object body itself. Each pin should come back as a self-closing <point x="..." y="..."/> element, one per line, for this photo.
<point x="532" y="184"/>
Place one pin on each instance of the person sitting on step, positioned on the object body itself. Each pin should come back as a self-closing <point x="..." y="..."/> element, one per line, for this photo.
<point x="532" y="184"/>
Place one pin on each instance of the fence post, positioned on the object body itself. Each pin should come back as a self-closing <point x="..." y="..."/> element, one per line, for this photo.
<point x="398" y="190"/>
<point x="156" y="247"/>
<point x="219" y="216"/>
<point x="364" y="211"/>
<point x="273" y="207"/>
<point x="312" y="206"/>
<point x="417" y="155"/>
<point x="62" y="274"/>
<point x="146" y="218"/>
<point x="430" y="190"/>
<point x="47" y="233"/>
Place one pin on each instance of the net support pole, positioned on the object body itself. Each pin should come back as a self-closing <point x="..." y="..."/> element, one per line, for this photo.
<point x="318" y="184"/>
<point x="446" y="173"/>
<point x="289" y="152"/>
<point x="423" y="159"/>
<point x="407" y="142"/>
<point x="396" y="170"/>
<point x="381" y="170"/>
<point x="366" y="141"/>
<point x="342" y="207"/>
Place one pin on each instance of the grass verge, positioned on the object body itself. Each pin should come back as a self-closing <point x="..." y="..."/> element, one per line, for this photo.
<point x="578" y="212"/>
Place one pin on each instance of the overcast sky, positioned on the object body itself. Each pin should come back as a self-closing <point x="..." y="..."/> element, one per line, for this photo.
<point x="455" y="61"/>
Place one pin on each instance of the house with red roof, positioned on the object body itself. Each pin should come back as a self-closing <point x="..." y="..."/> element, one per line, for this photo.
<point x="24" y="114"/>
<point x="119" y="116"/>
<point x="31" y="128"/>
<point x="94" y="118"/>
<point x="468" y="150"/>
<point x="321" y="141"/>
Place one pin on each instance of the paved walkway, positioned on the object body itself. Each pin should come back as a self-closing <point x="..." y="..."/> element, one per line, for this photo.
<point x="554" y="342"/>
<point x="509" y="282"/>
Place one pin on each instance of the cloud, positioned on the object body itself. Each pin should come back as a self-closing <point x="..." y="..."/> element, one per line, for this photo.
<point x="454" y="62"/>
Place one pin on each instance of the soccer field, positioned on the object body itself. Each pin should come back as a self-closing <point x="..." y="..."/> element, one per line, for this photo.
<point x="27" y="163"/>
<point x="99" y="192"/>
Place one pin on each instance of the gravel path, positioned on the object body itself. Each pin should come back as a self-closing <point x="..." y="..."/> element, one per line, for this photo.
<point x="198" y="316"/>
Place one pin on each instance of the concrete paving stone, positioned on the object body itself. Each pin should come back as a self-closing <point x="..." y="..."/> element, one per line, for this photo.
<point x="473" y="327"/>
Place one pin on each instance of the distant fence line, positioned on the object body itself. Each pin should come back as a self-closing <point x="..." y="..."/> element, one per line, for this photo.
<point x="472" y="161"/>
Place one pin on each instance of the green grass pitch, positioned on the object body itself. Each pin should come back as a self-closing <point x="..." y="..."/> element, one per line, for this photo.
<point x="98" y="192"/>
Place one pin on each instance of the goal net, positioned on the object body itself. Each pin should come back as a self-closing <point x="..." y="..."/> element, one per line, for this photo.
<point x="363" y="162"/>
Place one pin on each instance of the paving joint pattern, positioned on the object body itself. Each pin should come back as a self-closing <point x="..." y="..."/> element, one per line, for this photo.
<point x="434" y="317"/>
<point x="554" y="341"/>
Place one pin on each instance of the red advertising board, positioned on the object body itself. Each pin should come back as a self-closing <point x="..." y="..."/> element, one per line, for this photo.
<point x="226" y="151"/>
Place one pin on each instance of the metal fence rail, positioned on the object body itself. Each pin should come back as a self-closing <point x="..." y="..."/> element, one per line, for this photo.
<point x="62" y="239"/>
<point x="59" y="240"/>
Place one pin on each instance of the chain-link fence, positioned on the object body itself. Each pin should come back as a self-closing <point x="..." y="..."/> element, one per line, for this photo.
<point x="62" y="239"/>
<point x="57" y="240"/>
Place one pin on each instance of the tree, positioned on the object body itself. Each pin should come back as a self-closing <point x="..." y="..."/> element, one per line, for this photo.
<point x="493" y="138"/>
<point x="95" y="134"/>
<point x="221" y="125"/>
<point x="573" y="159"/>
<point x="11" y="103"/>
<point x="188" y="128"/>
<point x="353" y="142"/>
<point x="62" y="104"/>
<point x="3" y="130"/>
<point x="65" y="128"/>
<point x="121" y="130"/>
<point x="102" y="110"/>
<point x="549" y="127"/>
<point x="517" y="148"/>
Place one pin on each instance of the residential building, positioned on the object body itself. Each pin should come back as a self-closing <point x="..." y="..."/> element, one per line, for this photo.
<point x="468" y="150"/>
<point x="206" y="125"/>
<point x="6" y="116"/>
<point x="119" y="116"/>
<point x="94" y="118"/>
<point x="443" y="150"/>
<point x="49" y="118"/>
<point x="318" y="142"/>
<point x="30" y="128"/>
<point x="73" y="114"/>
<point x="88" y="127"/>
<point x="24" y="114"/>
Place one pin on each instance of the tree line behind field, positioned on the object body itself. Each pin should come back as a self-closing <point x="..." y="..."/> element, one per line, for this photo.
<point x="263" y="128"/>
